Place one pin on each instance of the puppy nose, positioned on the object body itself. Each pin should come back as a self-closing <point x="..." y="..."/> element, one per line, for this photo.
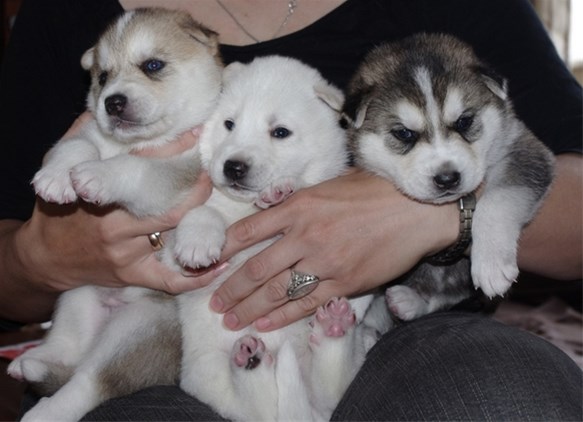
<point x="115" y="104"/>
<point x="235" y="170"/>
<point x="447" y="180"/>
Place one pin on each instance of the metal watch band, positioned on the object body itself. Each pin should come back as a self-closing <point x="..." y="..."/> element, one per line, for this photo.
<point x="467" y="205"/>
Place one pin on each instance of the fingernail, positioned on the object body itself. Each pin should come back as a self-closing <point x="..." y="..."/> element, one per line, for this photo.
<point x="263" y="323"/>
<point x="216" y="304"/>
<point x="231" y="321"/>
<point x="220" y="269"/>
<point x="197" y="272"/>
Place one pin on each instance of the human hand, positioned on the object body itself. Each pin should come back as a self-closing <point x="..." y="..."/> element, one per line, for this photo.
<point x="67" y="246"/>
<point x="355" y="233"/>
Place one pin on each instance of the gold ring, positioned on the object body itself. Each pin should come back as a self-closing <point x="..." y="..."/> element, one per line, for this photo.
<point x="156" y="241"/>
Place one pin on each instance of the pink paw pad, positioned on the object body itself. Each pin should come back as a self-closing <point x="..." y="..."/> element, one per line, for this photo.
<point x="336" y="317"/>
<point x="275" y="195"/>
<point x="249" y="352"/>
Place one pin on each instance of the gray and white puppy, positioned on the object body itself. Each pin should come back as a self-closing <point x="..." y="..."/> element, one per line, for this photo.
<point x="155" y="74"/>
<point x="431" y="117"/>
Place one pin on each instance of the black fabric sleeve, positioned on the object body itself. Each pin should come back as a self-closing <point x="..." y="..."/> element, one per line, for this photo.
<point x="42" y="88"/>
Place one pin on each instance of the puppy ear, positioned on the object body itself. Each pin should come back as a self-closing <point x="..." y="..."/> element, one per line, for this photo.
<point x="87" y="59"/>
<point x="231" y="70"/>
<point x="332" y="96"/>
<point x="495" y="83"/>
<point x="356" y="106"/>
<point x="200" y="33"/>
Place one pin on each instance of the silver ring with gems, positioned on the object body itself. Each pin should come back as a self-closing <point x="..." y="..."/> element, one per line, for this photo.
<point x="301" y="284"/>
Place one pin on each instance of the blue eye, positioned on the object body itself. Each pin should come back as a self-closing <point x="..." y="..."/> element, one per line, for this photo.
<point x="405" y="135"/>
<point x="229" y="124"/>
<point x="280" y="132"/>
<point x="152" y="66"/>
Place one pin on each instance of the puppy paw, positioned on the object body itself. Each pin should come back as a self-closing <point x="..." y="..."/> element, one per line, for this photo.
<point x="405" y="303"/>
<point x="15" y="370"/>
<point x="199" y="246"/>
<point x="277" y="192"/>
<point x="334" y="319"/>
<point x="92" y="181"/>
<point x="28" y="369"/>
<point x="494" y="276"/>
<point x="249" y="352"/>
<point x="53" y="184"/>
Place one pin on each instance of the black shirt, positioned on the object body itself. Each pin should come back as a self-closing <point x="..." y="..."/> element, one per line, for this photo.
<point x="43" y="87"/>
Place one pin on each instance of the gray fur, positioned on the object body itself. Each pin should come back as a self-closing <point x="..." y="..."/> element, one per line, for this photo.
<point x="430" y="75"/>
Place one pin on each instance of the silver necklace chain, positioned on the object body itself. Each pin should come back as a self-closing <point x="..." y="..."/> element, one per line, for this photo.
<point x="291" y="8"/>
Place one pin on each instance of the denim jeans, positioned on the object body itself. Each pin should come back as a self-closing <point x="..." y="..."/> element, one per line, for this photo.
<point x="445" y="366"/>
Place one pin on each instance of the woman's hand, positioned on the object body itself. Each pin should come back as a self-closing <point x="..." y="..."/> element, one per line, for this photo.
<point x="355" y="233"/>
<point x="66" y="246"/>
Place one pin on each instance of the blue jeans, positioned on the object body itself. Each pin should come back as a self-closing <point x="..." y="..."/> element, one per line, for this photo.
<point x="445" y="366"/>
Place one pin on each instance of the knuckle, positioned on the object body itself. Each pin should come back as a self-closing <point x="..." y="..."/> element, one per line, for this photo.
<point x="244" y="231"/>
<point x="255" y="269"/>
<point x="226" y="294"/>
<point x="280" y="315"/>
<point x="275" y="292"/>
<point x="245" y="315"/>
<point x="308" y="304"/>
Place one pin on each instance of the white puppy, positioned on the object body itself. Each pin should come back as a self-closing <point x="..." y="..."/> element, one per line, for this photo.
<point x="275" y="130"/>
<point x="155" y="74"/>
<point x="438" y="122"/>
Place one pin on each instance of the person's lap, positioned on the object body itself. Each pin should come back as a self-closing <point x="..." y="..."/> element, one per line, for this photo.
<point x="462" y="366"/>
<point x="446" y="366"/>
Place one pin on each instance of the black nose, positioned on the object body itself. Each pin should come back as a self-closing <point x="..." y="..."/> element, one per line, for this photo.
<point x="447" y="180"/>
<point x="115" y="104"/>
<point x="235" y="170"/>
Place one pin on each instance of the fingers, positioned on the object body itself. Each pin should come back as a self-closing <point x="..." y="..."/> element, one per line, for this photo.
<point x="297" y="309"/>
<point x="161" y="277"/>
<point x="269" y="307"/>
<point x="257" y="292"/>
<point x="253" y="229"/>
<point x="262" y="267"/>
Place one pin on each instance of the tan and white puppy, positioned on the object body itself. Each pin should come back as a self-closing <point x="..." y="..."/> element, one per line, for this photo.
<point x="275" y="130"/>
<point x="155" y="74"/>
<point x="435" y="120"/>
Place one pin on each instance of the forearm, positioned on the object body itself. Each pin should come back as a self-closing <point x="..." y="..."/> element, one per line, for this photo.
<point x="551" y="245"/>
<point x="21" y="299"/>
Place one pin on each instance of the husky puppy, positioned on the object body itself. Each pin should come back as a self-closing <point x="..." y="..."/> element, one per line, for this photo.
<point x="436" y="121"/>
<point x="275" y="130"/>
<point x="155" y="74"/>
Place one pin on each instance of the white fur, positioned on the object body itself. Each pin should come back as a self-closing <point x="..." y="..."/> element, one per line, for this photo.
<point x="92" y="325"/>
<point x="302" y="371"/>
<point x="269" y="93"/>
